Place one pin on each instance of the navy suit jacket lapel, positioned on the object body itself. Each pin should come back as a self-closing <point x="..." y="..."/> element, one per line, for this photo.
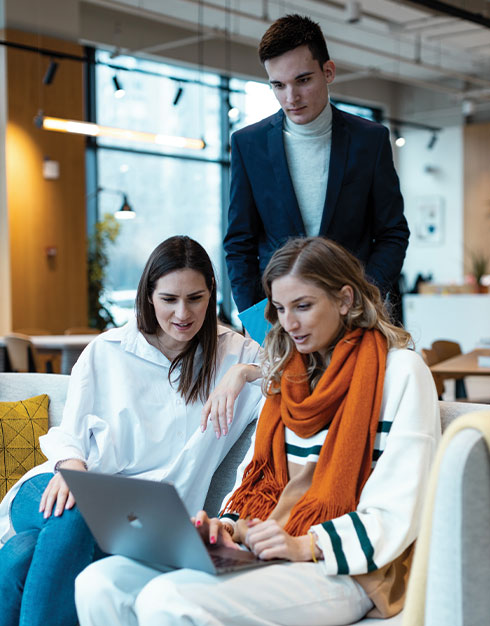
<point x="285" y="190"/>
<point x="338" y="159"/>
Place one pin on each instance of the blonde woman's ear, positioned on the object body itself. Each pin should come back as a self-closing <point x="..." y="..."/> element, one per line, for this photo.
<point x="346" y="299"/>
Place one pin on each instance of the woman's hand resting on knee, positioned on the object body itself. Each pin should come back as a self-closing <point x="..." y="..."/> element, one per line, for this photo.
<point x="57" y="491"/>
<point x="214" y="531"/>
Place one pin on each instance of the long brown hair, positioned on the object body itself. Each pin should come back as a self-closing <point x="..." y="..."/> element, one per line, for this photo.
<point x="329" y="266"/>
<point x="177" y="253"/>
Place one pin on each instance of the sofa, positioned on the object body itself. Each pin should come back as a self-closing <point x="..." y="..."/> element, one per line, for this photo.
<point x="21" y="386"/>
<point x="15" y="386"/>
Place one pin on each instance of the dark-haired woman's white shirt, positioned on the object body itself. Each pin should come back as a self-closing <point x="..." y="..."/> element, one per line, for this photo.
<point x="122" y="416"/>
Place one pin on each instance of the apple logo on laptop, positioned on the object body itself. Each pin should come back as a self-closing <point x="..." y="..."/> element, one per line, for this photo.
<point x="134" y="521"/>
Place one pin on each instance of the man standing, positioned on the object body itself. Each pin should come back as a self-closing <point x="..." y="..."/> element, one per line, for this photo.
<point x="310" y="169"/>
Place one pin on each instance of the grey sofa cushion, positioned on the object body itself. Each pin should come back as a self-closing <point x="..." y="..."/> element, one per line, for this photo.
<point x="224" y="477"/>
<point x="451" y="410"/>
<point x="459" y="558"/>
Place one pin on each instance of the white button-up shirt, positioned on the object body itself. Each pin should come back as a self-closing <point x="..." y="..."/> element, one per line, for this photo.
<point x="122" y="416"/>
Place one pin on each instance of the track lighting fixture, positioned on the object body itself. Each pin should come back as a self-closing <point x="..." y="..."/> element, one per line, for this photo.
<point x="399" y="139"/>
<point x="353" y="11"/>
<point x="50" y="72"/>
<point x="118" y="89"/>
<point x="178" y="95"/>
<point x="432" y="141"/>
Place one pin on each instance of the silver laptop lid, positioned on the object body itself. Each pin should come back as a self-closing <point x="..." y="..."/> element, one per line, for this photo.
<point x="141" y="519"/>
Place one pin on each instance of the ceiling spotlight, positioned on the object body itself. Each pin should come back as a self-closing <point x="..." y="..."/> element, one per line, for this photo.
<point x="178" y="95"/>
<point x="50" y="72"/>
<point x="118" y="89"/>
<point x="399" y="139"/>
<point x="432" y="141"/>
<point x="353" y="11"/>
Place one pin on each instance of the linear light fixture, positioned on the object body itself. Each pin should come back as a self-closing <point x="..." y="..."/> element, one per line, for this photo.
<point x="97" y="130"/>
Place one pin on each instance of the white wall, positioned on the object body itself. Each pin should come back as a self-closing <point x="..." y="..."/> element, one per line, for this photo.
<point x="432" y="317"/>
<point x="444" y="185"/>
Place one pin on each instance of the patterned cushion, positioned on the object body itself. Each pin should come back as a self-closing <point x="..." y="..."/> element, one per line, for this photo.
<point x="21" y="424"/>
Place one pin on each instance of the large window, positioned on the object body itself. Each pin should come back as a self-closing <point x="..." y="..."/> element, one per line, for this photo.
<point x="172" y="190"/>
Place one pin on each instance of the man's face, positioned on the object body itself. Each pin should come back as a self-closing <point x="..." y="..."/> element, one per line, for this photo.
<point x="300" y="84"/>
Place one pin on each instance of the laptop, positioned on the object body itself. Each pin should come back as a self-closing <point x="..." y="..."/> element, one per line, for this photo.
<point x="147" y="521"/>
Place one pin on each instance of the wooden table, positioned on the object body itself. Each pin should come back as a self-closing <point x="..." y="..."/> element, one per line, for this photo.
<point x="463" y="365"/>
<point x="70" y="347"/>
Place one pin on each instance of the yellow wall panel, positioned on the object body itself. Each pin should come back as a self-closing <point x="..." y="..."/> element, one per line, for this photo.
<point x="47" y="292"/>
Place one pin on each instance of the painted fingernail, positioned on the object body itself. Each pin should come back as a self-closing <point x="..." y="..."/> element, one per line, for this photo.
<point x="225" y="431"/>
<point x="198" y="523"/>
<point x="212" y="539"/>
<point x="217" y="435"/>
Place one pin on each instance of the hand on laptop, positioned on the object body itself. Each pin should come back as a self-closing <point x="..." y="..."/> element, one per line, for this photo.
<point x="57" y="491"/>
<point x="221" y="401"/>
<point x="213" y="531"/>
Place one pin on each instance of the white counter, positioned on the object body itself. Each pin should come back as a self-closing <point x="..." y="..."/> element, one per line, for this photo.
<point x="464" y="318"/>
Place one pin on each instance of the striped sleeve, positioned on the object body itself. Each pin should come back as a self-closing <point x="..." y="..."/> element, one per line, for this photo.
<point x="387" y="517"/>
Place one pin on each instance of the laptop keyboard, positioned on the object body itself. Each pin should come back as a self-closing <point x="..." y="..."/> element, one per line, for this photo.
<point x="225" y="562"/>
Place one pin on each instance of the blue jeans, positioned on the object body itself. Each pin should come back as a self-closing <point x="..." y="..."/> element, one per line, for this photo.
<point x="39" y="564"/>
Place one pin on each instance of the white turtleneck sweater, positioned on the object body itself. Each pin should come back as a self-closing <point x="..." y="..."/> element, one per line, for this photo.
<point x="308" y="155"/>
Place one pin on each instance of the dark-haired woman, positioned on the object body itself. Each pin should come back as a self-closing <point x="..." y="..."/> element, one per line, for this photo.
<point x="133" y="407"/>
<point x="342" y="453"/>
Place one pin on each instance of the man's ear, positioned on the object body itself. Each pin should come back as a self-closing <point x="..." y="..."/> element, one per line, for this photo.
<point x="328" y="70"/>
<point x="346" y="295"/>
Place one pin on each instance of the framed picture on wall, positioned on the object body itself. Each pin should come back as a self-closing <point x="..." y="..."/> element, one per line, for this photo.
<point x="429" y="220"/>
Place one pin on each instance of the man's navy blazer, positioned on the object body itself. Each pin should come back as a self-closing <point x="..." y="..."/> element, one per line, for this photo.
<point x="363" y="206"/>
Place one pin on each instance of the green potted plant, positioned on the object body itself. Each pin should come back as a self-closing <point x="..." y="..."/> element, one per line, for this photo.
<point x="480" y="266"/>
<point x="105" y="234"/>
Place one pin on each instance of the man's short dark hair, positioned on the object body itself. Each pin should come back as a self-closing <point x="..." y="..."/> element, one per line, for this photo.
<point x="289" y="32"/>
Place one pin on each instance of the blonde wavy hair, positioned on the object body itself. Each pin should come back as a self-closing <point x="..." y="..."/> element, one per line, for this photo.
<point x="329" y="266"/>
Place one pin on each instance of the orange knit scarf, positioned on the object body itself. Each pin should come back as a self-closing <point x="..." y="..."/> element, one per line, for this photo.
<point x="347" y="399"/>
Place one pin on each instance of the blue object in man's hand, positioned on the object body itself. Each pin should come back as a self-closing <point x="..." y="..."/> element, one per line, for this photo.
<point x="254" y="321"/>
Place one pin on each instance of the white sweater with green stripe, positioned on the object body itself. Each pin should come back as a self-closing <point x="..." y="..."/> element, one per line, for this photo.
<point x="387" y="517"/>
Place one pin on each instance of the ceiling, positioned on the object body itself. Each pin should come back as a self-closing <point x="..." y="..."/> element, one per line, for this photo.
<point x="402" y="41"/>
<point x="440" y="47"/>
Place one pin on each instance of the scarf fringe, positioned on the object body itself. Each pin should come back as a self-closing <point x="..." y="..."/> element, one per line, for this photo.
<point x="307" y="512"/>
<point x="250" y="503"/>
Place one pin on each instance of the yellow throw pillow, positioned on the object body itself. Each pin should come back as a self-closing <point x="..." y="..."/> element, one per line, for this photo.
<point x="21" y="425"/>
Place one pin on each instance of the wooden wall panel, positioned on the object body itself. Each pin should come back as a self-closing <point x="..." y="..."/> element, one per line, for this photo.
<point x="476" y="190"/>
<point x="47" y="292"/>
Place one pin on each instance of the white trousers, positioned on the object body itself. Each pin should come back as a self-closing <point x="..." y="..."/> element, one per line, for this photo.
<point x="117" y="590"/>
